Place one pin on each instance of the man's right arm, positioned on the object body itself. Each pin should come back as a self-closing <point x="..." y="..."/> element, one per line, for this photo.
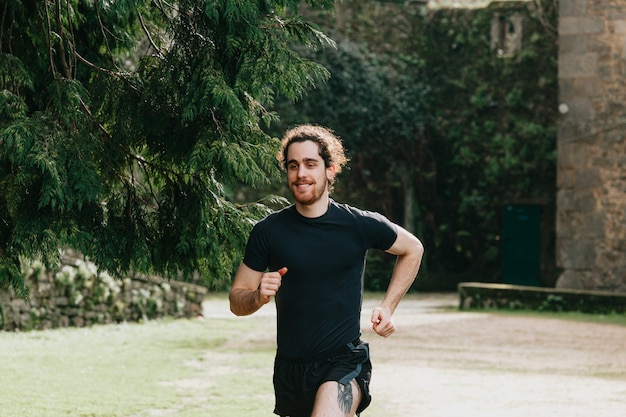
<point x="252" y="289"/>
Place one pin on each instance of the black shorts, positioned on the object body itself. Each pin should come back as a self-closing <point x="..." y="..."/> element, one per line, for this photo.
<point x="296" y="381"/>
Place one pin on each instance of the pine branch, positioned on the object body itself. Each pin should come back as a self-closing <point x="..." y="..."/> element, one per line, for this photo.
<point x="48" y="32"/>
<point x="145" y="29"/>
<point x="104" y="36"/>
<point x="127" y="151"/>
<point x="159" y="5"/>
<point x="64" y="64"/>
<point x="119" y="75"/>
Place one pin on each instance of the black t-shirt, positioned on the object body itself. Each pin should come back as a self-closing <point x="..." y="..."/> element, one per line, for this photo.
<point x="319" y="302"/>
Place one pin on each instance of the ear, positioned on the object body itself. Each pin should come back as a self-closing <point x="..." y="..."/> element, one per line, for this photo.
<point x="330" y="172"/>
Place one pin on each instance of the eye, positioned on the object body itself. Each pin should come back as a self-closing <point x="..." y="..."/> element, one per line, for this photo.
<point x="292" y="166"/>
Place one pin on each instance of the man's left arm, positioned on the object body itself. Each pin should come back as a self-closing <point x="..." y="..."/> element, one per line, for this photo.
<point x="409" y="251"/>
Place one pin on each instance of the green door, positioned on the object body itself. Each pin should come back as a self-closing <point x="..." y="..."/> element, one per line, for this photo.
<point x="521" y="245"/>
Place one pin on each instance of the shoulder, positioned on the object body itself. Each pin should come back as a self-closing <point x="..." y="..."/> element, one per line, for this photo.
<point x="261" y="238"/>
<point x="371" y="223"/>
<point x="271" y="219"/>
<point x="343" y="208"/>
<point x="360" y="215"/>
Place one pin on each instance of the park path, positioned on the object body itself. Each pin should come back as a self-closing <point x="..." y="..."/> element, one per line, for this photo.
<point x="442" y="362"/>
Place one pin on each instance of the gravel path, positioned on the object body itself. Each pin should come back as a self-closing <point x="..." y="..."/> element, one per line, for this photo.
<point x="450" y="364"/>
<point x="442" y="362"/>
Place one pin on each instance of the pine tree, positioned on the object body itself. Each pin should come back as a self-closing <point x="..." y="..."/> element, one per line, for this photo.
<point x="122" y="125"/>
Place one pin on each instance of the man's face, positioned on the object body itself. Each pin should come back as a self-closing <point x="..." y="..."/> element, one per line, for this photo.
<point x="307" y="175"/>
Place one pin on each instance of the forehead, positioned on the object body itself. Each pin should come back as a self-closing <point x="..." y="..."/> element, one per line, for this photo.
<point x="300" y="151"/>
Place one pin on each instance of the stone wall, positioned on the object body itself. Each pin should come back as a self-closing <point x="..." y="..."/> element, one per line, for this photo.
<point x="516" y="297"/>
<point x="591" y="178"/>
<point x="79" y="295"/>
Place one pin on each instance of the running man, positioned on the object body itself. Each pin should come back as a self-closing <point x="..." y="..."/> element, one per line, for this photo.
<point x="310" y="257"/>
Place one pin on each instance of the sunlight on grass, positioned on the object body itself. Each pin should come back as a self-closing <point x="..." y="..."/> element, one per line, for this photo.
<point x="613" y="319"/>
<point x="183" y="368"/>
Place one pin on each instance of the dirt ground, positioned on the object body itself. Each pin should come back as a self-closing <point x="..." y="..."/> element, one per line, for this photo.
<point x="444" y="364"/>
<point x="447" y="363"/>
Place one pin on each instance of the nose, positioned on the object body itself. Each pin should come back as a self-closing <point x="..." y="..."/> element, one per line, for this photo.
<point x="301" y="171"/>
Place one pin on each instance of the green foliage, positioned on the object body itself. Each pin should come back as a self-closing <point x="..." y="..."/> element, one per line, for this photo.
<point x="495" y="137"/>
<point x="441" y="130"/>
<point x="552" y="303"/>
<point x="374" y="104"/>
<point x="123" y="123"/>
<point x="126" y="128"/>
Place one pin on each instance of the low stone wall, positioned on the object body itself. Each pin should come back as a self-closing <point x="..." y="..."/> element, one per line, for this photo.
<point x="80" y="295"/>
<point x="519" y="297"/>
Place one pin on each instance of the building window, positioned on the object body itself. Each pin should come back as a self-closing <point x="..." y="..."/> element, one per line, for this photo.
<point x="506" y="34"/>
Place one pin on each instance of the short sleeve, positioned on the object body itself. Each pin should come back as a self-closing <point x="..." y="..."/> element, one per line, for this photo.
<point x="378" y="231"/>
<point x="257" y="249"/>
<point x="387" y="233"/>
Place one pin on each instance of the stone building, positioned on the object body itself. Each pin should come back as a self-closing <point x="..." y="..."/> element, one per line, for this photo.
<point x="591" y="147"/>
<point x="591" y="142"/>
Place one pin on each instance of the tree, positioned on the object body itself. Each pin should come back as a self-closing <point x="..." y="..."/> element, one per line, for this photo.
<point x="372" y="103"/>
<point x="122" y="124"/>
<point x="442" y="130"/>
<point x="377" y="111"/>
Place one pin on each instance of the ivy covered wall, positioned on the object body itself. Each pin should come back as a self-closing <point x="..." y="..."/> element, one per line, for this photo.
<point x="448" y="115"/>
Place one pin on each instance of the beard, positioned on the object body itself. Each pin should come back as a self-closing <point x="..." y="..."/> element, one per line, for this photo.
<point x="309" y="197"/>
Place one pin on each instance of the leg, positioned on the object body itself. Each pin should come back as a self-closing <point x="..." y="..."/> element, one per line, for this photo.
<point x="336" y="400"/>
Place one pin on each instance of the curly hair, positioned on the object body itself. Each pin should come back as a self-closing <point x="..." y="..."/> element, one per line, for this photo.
<point x="331" y="148"/>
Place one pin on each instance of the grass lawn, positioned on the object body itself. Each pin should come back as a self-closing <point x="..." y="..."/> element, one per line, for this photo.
<point x="153" y="369"/>
<point x="213" y="367"/>
<point x="613" y="318"/>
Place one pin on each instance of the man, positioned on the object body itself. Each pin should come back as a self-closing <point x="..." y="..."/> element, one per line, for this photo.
<point x="310" y="257"/>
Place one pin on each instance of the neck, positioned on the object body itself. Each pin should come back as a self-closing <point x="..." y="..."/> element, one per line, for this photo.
<point x="317" y="209"/>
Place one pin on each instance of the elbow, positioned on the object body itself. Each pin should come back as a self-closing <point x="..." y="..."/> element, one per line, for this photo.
<point x="236" y="305"/>
<point x="236" y="312"/>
